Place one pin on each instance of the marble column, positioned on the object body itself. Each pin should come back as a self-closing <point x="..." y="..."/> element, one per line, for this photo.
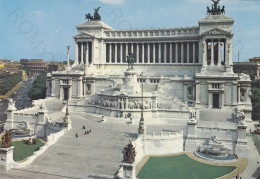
<point x="210" y="100"/>
<point x="115" y="52"/>
<point x="81" y="55"/>
<point x="137" y="53"/>
<point x="171" y="53"/>
<point x="247" y="95"/>
<point x="70" y="91"/>
<point x="238" y="93"/>
<point x="204" y="54"/>
<point x="76" y="58"/>
<point x="219" y="53"/>
<point x="110" y="53"/>
<point x="160" y="55"/>
<point x="197" y="92"/>
<point x="86" y="55"/>
<point x="185" y="92"/>
<point x="61" y="91"/>
<point x="80" y="88"/>
<point x="188" y="52"/>
<point x="143" y="53"/>
<point x="234" y="93"/>
<point x="154" y="52"/>
<point x="176" y="53"/>
<point x="212" y="53"/>
<point x="68" y="57"/>
<point x="148" y="53"/>
<point x="121" y="53"/>
<point x="165" y="52"/>
<point x="52" y="87"/>
<point x="126" y="50"/>
<point x="132" y="46"/>
<point x="182" y="54"/>
<point x="193" y="52"/>
<point x="222" y="99"/>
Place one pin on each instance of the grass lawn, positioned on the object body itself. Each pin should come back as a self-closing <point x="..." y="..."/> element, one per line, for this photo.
<point x="181" y="167"/>
<point x="22" y="150"/>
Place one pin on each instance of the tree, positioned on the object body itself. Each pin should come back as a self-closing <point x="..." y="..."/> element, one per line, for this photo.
<point x="38" y="90"/>
<point x="255" y="98"/>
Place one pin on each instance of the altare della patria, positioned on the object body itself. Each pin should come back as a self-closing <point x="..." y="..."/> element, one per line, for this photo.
<point x="149" y="92"/>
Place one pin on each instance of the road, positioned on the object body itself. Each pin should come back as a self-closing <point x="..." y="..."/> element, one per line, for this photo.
<point x="20" y="98"/>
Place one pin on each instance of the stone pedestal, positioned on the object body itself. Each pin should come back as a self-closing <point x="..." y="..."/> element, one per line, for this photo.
<point x="6" y="158"/>
<point x="9" y="124"/>
<point x="242" y="149"/>
<point x="67" y="122"/>
<point x="128" y="171"/>
<point x="191" y="141"/>
<point x="42" y="117"/>
<point x="130" y="85"/>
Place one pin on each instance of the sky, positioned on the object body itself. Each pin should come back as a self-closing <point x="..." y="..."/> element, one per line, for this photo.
<point x="44" y="28"/>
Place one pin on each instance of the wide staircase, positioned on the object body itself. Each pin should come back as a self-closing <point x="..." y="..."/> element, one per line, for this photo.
<point x="216" y="115"/>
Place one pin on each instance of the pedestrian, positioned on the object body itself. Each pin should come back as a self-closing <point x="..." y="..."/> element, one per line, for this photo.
<point x="84" y="127"/>
<point x="85" y="131"/>
<point x="76" y="135"/>
<point x="89" y="130"/>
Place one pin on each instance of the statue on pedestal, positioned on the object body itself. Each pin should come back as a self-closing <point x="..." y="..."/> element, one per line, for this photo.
<point x="130" y="61"/>
<point x="6" y="139"/>
<point x="129" y="153"/>
<point x="192" y="114"/>
<point x="240" y="117"/>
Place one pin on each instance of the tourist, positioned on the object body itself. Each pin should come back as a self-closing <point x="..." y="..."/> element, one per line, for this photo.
<point x="84" y="127"/>
<point x="89" y="130"/>
<point x="85" y="131"/>
<point x="76" y="135"/>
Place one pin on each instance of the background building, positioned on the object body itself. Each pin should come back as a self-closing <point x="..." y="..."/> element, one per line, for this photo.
<point x="56" y="66"/>
<point x="8" y="66"/>
<point x="252" y="67"/>
<point x="35" y="65"/>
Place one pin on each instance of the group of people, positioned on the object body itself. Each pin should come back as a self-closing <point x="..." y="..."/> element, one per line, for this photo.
<point x="237" y="177"/>
<point x="85" y="131"/>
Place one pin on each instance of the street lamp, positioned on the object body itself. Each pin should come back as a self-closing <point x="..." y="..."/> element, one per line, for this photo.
<point x="141" y="129"/>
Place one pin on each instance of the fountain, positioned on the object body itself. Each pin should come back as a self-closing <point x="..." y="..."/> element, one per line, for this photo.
<point x="215" y="150"/>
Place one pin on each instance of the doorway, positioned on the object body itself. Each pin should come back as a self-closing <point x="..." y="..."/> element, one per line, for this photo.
<point x="216" y="100"/>
<point x="65" y="93"/>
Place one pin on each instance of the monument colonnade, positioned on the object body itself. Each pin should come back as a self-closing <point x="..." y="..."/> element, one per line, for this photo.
<point x="145" y="52"/>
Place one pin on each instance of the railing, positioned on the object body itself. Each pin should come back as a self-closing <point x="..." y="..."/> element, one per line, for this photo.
<point x="153" y="32"/>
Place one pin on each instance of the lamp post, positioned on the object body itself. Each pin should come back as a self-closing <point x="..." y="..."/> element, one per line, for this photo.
<point x="66" y="119"/>
<point x="141" y="129"/>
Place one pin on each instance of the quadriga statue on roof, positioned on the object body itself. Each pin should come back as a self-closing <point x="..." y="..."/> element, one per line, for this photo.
<point x="95" y="17"/>
<point x="215" y="10"/>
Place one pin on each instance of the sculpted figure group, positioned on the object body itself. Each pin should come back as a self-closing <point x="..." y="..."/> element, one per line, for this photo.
<point x="240" y="117"/>
<point x="6" y="139"/>
<point x="129" y="153"/>
<point x="96" y="16"/>
<point x="215" y="9"/>
<point x="133" y="104"/>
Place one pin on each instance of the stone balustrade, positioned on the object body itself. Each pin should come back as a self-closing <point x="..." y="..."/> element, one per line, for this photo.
<point x="152" y="32"/>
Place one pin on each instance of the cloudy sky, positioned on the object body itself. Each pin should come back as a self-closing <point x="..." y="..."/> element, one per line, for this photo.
<point x="43" y="28"/>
